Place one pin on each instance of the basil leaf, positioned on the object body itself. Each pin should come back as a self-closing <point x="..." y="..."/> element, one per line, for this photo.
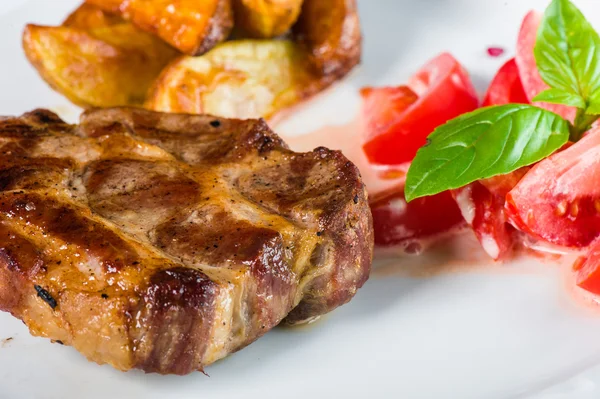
<point x="557" y="96"/>
<point x="567" y="52"/>
<point x="594" y="105"/>
<point x="487" y="142"/>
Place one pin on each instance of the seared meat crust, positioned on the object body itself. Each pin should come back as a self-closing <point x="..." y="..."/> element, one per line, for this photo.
<point x="164" y="242"/>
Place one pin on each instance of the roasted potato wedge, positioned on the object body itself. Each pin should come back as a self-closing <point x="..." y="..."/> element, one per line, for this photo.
<point x="266" y="18"/>
<point x="191" y="26"/>
<point x="238" y="79"/>
<point x="330" y="32"/>
<point x="88" y="16"/>
<point x="101" y="67"/>
<point x="258" y="78"/>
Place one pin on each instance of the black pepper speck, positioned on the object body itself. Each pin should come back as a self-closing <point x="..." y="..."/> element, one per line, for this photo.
<point x="45" y="295"/>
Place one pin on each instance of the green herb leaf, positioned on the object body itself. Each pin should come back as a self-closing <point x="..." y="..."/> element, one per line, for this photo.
<point x="567" y="53"/>
<point x="594" y="106"/>
<point x="557" y="96"/>
<point x="487" y="142"/>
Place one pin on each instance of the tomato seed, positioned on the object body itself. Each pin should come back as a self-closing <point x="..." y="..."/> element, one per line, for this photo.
<point x="561" y="209"/>
<point x="574" y="209"/>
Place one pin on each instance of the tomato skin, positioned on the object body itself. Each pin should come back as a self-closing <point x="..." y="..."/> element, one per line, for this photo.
<point x="530" y="76"/>
<point x="395" y="222"/>
<point x="382" y="106"/>
<point x="587" y="269"/>
<point x="444" y="92"/>
<point x="506" y="87"/>
<point x="558" y="200"/>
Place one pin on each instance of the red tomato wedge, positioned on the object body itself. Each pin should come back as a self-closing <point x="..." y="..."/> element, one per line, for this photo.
<point x="383" y="106"/>
<point x="393" y="136"/>
<point x="506" y="87"/>
<point x="558" y="200"/>
<point x="396" y="223"/>
<point x="482" y="206"/>
<point x="588" y="270"/>
<point x="484" y="212"/>
<point x="530" y="76"/>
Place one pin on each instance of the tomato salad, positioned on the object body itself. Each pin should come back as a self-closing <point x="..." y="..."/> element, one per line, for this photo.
<point x="523" y="164"/>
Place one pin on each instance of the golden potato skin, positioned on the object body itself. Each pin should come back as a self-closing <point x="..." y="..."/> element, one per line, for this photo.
<point x="330" y="32"/>
<point x="101" y="67"/>
<point x="259" y="78"/>
<point x="266" y="18"/>
<point x="238" y="79"/>
<point x="107" y="54"/>
<point x="191" y="26"/>
<point x="88" y="16"/>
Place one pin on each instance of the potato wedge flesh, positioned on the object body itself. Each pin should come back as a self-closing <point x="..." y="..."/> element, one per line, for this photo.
<point x="239" y="79"/>
<point x="191" y="26"/>
<point x="266" y="18"/>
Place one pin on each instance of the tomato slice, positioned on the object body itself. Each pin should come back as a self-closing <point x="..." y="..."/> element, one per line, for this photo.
<point x="383" y="106"/>
<point x="397" y="223"/>
<point x="482" y="206"/>
<point x="484" y="212"/>
<point x="558" y="200"/>
<point x="506" y="87"/>
<point x="588" y="270"/>
<point x="530" y="76"/>
<point x="444" y="92"/>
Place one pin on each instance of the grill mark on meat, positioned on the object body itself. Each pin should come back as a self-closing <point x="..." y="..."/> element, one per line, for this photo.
<point x="256" y="255"/>
<point x="18" y="148"/>
<point x="31" y="173"/>
<point x="44" y="117"/>
<point x="18" y="253"/>
<point x="228" y="241"/>
<point x="69" y="225"/>
<point x="32" y="124"/>
<point x="138" y="194"/>
<point x="20" y="260"/>
<point x="295" y="186"/>
<point x="17" y="130"/>
<point x="170" y="241"/>
<point x="140" y="185"/>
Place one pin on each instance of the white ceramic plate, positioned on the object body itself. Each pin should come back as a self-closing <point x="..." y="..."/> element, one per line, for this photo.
<point x="476" y="333"/>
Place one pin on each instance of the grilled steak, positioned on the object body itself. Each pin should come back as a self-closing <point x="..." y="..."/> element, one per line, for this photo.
<point x="164" y="242"/>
